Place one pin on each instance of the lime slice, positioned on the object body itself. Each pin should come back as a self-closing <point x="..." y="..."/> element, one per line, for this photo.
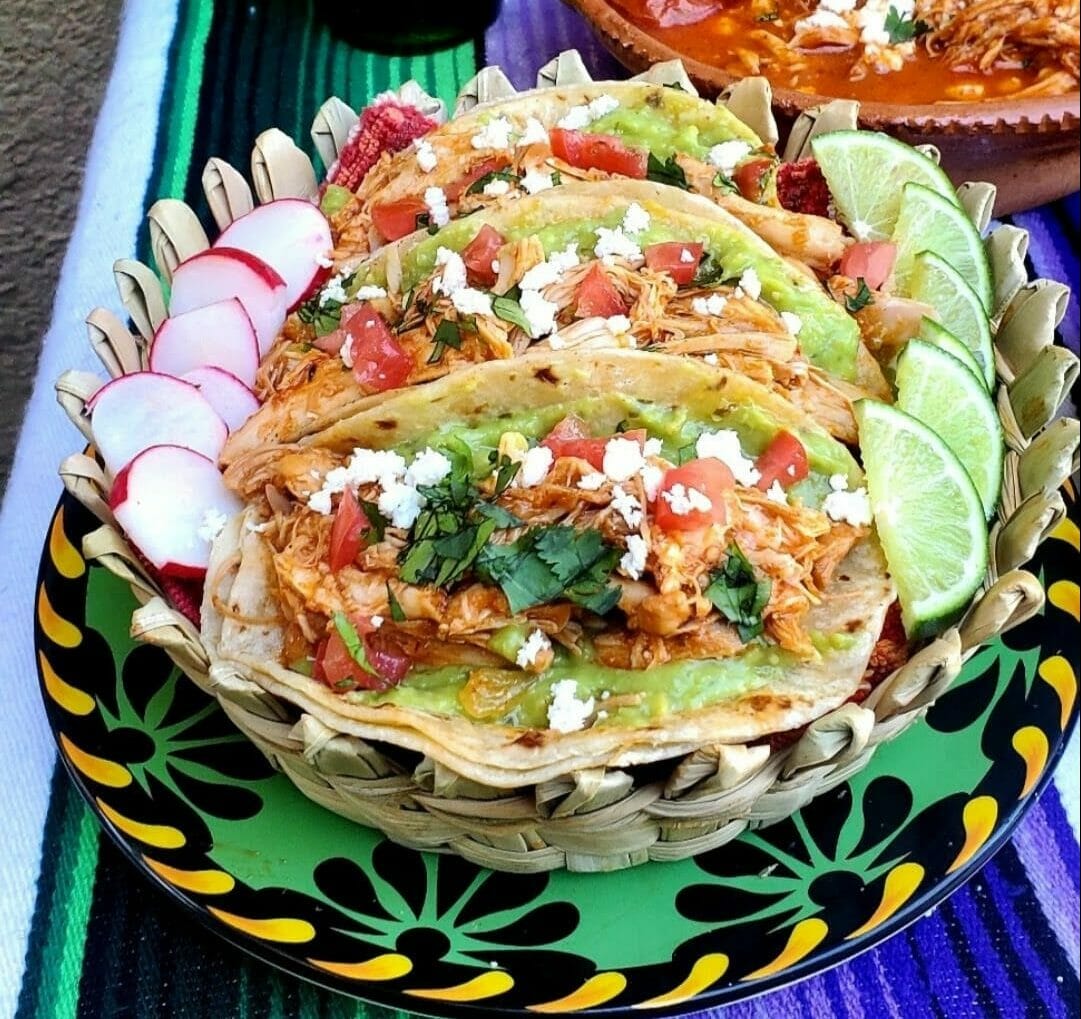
<point x="929" y="516"/>
<point x="928" y="222"/>
<point x="939" y="336"/>
<point x="937" y="283"/>
<point x="866" y="172"/>
<point x="935" y="387"/>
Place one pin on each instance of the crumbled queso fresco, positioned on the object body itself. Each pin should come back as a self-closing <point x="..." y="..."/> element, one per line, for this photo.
<point x="535" y="181"/>
<point x="533" y="646"/>
<point x="494" y="135"/>
<point x="726" y="155"/>
<point x="426" y="157"/>
<point x="578" y="117"/>
<point x="436" y="200"/>
<point x="633" y="561"/>
<point x="724" y="445"/>
<point x="566" y="713"/>
<point x="847" y="507"/>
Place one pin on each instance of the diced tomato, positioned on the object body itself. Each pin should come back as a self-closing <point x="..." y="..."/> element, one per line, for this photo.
<point x="751" y="178"/>
<point x="335" y="667"/>
<point x="379" y="362"/>
<point x="677" y="258"/>
<point x="479" y="254"/>
<point x="455" y="190"/>
<point x="396" y="219"/>
<point x="570" y="438"/>
<point x="597" y="295"/>
<point x="801" y="187"/>
<point x="872" y="262"/>
<point x="347" y="534"/>
<point x="708" y="476"/>
<point x="604" y="152"/>
<point x="784" y="460"/>
<point x="387" y="657"/>
<point x="331" y="343"/>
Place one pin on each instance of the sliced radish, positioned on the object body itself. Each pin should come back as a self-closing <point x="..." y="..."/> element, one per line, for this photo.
<point x="291" y="235"/>
<point x="172" y="503"/>
<point x="218" y="336"/>
<point x="233" y="400"/>
<point x="135" y="412"/>
<point x="221" y="273"/>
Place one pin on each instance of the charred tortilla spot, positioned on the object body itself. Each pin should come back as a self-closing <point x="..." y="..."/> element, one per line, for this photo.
<point x="852" y="625"/>
<point x="546" y="375"/>
<point x="531" y="738"/>
<point x="760" y="702"/>
<point x="386" y="424"/>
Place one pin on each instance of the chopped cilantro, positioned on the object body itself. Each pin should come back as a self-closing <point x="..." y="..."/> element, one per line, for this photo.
<point x="738" y="595"/>
<point x="860" y="299"/>
<point x="447" y="334"/>
<point x="901" y="29"/>
<point x="353" y="642"/>
<point x="676" y="85"/>
<point x="710" y="272"/>
<point x="377" y="523"/>
<point x="478" y="186"/>
<point x="547" y="564"/>
<point x="397" y="613"/>
<point x="725" y="183"/>
<point x="509" y="310"/>
<point x="557" y="178"/>
<point x="506" y="470"/>
<point x="668" y="172"/>
<point x="324" y="316"/>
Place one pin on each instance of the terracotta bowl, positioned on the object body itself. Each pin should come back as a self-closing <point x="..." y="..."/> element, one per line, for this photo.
<point x="1028" y="148"/>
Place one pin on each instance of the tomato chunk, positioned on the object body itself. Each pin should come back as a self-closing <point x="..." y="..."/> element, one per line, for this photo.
<point x="784" y="460"/>
<point x="396" y="219"/>
<point x="379" y="362"/>
<point x="597" y="295"/>
<point x="677" y="258"/>
<point x="706" y="477"/>
<point x="347" y="533"/>
<point x="388" y="664"/>
<point x="473" y="174"/>
<point x="872" y="262"/>
<point x="598" y="152"/>
<point x="479" y="254"/>
<point x="750" y="178"/>
<point x="570" y="438"/>
<point x="387" y="656"/>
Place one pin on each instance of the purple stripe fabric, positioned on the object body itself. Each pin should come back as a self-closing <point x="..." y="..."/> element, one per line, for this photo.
<point x="1007" y="944"/>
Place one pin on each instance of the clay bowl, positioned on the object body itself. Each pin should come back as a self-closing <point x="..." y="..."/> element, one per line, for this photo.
<point x="1028" y="148"/>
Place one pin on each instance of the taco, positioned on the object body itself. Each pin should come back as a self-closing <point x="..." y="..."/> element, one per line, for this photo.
<point x="536" y="140"/>
<point x="585" y="266"/>
<point x="552" y="563"/>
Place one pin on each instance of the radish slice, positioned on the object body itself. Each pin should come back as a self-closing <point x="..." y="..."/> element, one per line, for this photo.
<point x="218" y="336"/>
<point x="233" y="400"/>
<point x="172" y="503"/>
<point x="146" y="409"/>
<point x="291" y="235"/>
<point x="221" y="273"/>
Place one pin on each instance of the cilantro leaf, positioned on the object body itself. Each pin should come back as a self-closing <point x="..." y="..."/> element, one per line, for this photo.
<point x="860" y="299"/>
<point x="377" y="523"/>
<point x="447" y="334"/>
<point x="324" y="316"/>
<point x="710" y="272"/>
<point x="724" y="182"/>
<point x="738" y="595"/>
<point x="477" y="187"/>
<point x="507" y="308"/>
<point x="506" y="470"/>
<point x="901" y="29"/>
<point x="668" y="172"/>
<point x="397" y="613"/>
<point x="353" y="642"/>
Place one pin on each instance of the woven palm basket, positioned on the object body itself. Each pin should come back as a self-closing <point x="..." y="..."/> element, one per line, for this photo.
<point x="598" y="819"/>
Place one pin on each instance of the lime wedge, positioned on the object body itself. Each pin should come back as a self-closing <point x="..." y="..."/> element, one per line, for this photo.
<point x="866" y="171"/>
<point x="939" y="390"/>
<point x="928" y="222"/>
<point x="939" y="336"/>
<point x="929" y="516"/>
<point x="937" y="283"/>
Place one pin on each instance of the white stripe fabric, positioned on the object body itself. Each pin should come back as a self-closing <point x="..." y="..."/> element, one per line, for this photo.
<point x="108" y="219"/>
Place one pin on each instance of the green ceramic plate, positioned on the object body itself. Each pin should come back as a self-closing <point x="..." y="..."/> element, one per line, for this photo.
<point x="197" y="807"/>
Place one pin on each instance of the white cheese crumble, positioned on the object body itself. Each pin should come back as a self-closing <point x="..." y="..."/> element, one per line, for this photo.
<point x="213" y="524"/>
<point x="363" y="467"/>
<point x="469" y="301"/>
<point x="686" y="255"/>
<point x="777" y="494"/>
<point x="622" y="458"/>
<point x="614" y="243"/>
<point x="652" y="447"/>
<point x="713" y="305"/>
<point x="428" y="468"/>
<point x="627" y="506"/>
<point x="726" y="155"/>
<point x="820" y="19"/>
<point x="536" y="463"/>
<point x="377" y="621"/>
<point x="578" y="117"/>
<point x="724" y="445"/>
<point x="535" y="181"/>
<point x="426" y="157"/>
<point x="635" y="219"/>
<point x="325" y="262"/>
<point x="652" y="476"/>
<point x="551" y="270"/>
<point x="847" y="507"/>
<point x="345" y="352"/>
<point x="251" y="525"/>
<point x="566" y="713"/>
<point x="533" y="646"/>
<point x="369" y="293"/>
<point x="436" y="200"/>
<point x="453" y="277"/>
<point x="682" y="499"/>
<point x="618" y="324"/>
<point x="633" y="561"/>
<point x="712" y="359"/>
<point x="496" y="188"/>
<point x="400" y="503"/>
<point x="333" y="290"/>
<point x="750" y="284"/>
<point x="535" y="133"/>
<point x="837" y="6"/>
<point x="592" y="482"/>
<point x="494" y="135"/>
<point x="539" y="313"/>
<point x="793" y="323"/>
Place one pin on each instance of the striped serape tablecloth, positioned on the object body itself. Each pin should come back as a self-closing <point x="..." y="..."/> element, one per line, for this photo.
<point x="81" y="933"/>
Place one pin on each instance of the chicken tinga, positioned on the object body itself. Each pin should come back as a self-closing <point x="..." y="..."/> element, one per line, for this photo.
<point x="555" y="561"/>
<point x="590" y="267"/>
